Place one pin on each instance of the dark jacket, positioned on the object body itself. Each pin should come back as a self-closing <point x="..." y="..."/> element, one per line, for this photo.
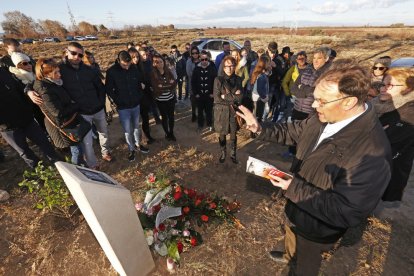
<point x="277" y="73"/>
<point x="124" y="86"/>
<point x="6" y="61"/>
<point x="202" y="81"/>
<point x="59" y="108"/>
<point x="84" y="87"/>
<point x="338" y="184"/>
<point x="180" y="64"/>
<point x="162" y="83"/>
<point x="224" y="115"/>
<point x="15" y="107"/>
<point x="399" y="125"/>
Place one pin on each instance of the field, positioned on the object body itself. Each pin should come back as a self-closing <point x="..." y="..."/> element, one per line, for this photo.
<point x="37" y="243"/>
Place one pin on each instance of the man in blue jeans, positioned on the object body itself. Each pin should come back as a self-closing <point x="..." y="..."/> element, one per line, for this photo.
<point x="125" y="86"/>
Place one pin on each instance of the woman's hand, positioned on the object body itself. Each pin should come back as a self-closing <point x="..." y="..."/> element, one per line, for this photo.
<point x="280" y="182"/>
<point x="34" y="97"/>
<point x="251" y="122"/>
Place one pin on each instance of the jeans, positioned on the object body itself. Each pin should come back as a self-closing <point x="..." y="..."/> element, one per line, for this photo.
<point x="101" y="125"/>
<point x="261" y="109"/>
<point x="167" y="115"/>
<point x="77" y="154"/>
<point x="129" y="119"/>
<point x="17" y="140"/>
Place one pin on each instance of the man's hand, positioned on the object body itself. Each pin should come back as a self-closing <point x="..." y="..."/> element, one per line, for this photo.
<point x="280" y="182"/>
<point x="251" y="122"/>
<point x="35" y="97"/>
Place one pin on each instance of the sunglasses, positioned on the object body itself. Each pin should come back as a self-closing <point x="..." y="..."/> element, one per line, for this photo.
<point x="24" y="63"/>
<point x="204" y="59"/>
<point x="378" y="68"/>
<point x="73" y="53"/>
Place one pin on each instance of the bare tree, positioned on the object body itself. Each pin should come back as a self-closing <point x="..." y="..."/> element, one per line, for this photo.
<point x="53" y="28"/>
<point x="87" y="28"/>
<point x="19" y="24"/>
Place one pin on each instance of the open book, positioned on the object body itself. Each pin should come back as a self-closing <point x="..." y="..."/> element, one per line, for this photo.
<point x="263" y="169"/>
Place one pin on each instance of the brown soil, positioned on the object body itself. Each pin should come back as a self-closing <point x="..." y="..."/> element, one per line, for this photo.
<point x="37" y="243"/>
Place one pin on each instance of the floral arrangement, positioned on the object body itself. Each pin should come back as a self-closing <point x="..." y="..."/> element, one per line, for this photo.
<point x="170" y="213"/>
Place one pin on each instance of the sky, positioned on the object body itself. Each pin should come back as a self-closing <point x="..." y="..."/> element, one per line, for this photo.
<point x="230" y="13"/>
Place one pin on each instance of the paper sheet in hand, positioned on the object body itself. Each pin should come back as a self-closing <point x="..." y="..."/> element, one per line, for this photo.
<point x="167" y="212"/>
<point x="263" y="169"/>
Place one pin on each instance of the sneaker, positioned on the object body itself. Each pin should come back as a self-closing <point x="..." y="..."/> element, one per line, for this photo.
<point x="172" y="137"/>
<point x="143" y="149"/>
<point x="131" y="156"/>
<point x="107" y="157"/>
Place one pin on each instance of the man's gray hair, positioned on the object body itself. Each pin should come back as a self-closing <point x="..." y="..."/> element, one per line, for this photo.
<point x="325" y="51"/>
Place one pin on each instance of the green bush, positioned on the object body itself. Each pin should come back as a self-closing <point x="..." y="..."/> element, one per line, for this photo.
<point x="49" y="189"/>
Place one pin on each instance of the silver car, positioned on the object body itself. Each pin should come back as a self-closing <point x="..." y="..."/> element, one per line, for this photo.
<point x="403" y="62"/>
<point x="214" y="45"/>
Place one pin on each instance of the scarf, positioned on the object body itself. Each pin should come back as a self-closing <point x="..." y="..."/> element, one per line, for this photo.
<point x="23" y="75"/>
<point x="397" y="101"/>
<point x="58" y="82"/>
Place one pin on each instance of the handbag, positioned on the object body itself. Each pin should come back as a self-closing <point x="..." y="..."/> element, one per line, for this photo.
<point x="75" y="129"/>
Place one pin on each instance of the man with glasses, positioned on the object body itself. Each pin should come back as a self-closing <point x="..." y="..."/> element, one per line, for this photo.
<point x="85" y="87"/>
<point x="340" y="171"/>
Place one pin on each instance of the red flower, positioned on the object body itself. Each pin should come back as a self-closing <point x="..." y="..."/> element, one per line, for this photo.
<point x="161" y="227"/>
<point x="151" y="178"/>
<point x="186" y="210"/>
<point x="156" y="208"/>
<point x="177" y="195"/>
<point x="180" y="247"/>
<point x="204" y="218"/>
<point x="213" y="205"/>
<point x="197" y="202"/>
<point x="193" y="241"/>
<point x="191" y="193"/>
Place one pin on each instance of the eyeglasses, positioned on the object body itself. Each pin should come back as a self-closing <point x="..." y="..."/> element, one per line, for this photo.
<point x="74" y="53"/>
<point x="25" y="63"/>
<point x="381" y="68"/>
<point x="203" y="59"/>
<point x="389" y="85"/>
<point x="194" y="53"/>
<point x="322" y="103"/>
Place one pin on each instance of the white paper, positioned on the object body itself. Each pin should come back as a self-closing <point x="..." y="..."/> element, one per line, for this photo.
<point x="262" y="169"/>
<point x="165" y="213"/>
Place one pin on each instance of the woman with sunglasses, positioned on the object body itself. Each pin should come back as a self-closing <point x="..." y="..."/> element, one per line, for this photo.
<point x="191" y="64"/>
<point x="378" y="71"/>
<point x="56" y="105"/>
<point x="163" y="85"/>
<point x="227" y="96"/>
<point x="395" y="108"/>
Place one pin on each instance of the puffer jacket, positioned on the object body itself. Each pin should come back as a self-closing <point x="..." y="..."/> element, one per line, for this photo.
<point x="340" y="182"/>
<point x="84" y="87"/>
<point x="124" y="86"/>
<point x="59" y="108"/>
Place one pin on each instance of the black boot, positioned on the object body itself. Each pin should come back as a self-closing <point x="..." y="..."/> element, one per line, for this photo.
<point x="223" y="150"/>
<point x="233" y="151"/>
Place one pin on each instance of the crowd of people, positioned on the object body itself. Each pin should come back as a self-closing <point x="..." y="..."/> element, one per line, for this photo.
<point x="350" y="130"/>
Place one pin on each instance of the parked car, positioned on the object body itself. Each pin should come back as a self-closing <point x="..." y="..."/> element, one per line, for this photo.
<point x="1" y="40"/>
<point x="214" y="45"/>
<point x="79" y="38"/>
<point x="91" y="37"/>
<point x="69" y="38"/>
<point x="51" y="39"/>
<point x="403" y="62"/>
<point x="27" y="41"/>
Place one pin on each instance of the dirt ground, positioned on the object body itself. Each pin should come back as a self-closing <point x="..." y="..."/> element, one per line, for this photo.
<point x="36" y="243"/>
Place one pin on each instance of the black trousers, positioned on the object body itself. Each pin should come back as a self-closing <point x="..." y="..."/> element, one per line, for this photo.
<point x="17" y="140"/>
<point x="205" y="105"/>
<point x="167" y="115"/>
<point x="308" y="254"/>
<point x="144" y="110"/>
<point x="180" y="87"/>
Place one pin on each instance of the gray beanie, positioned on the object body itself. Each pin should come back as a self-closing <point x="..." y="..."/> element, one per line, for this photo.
<point x="386" y="61"/>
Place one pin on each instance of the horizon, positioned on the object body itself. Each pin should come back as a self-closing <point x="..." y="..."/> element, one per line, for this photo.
<point x="229" y="14"/>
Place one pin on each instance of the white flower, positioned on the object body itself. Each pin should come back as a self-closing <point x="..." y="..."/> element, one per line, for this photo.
<point x="150" y="240"/>
<point x="186" y="233"/>
<point x="174" y="232"/>
<point x="161" y="249"/>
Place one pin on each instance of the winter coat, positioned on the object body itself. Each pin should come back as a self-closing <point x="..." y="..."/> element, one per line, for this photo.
<point x="180" y="64"/>
<point x="243" y="73"/>
<point x="290" y="77"/>
<point x="124" y="86"/>
<point x="304" y="86"/>
<point x="59" y="108"/>
<point x="162" y="84"/>
<point x="338" y="184"/>
<point x="15" y="107"/>
<point x="397" y="117"/>
<point x="261" y="87"/>
<point x="224" y="115"/>
<point x="189" y="69"/>
<point x="202" y="80"/>
<point x="84" y="87"/>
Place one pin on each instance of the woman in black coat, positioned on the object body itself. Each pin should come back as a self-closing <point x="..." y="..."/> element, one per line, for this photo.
<point x="395" y="108"/>
<point x="227" y="95"/>
<point x="56" y="104"/>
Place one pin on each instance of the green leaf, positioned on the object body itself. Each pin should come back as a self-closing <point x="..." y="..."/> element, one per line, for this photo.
<point x="173" y="251"/>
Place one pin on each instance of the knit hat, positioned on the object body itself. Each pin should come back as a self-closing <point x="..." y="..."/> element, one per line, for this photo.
<point x="272" y="46"/>
<point x="386" y="61"/>
<point x="19" y="57"/>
